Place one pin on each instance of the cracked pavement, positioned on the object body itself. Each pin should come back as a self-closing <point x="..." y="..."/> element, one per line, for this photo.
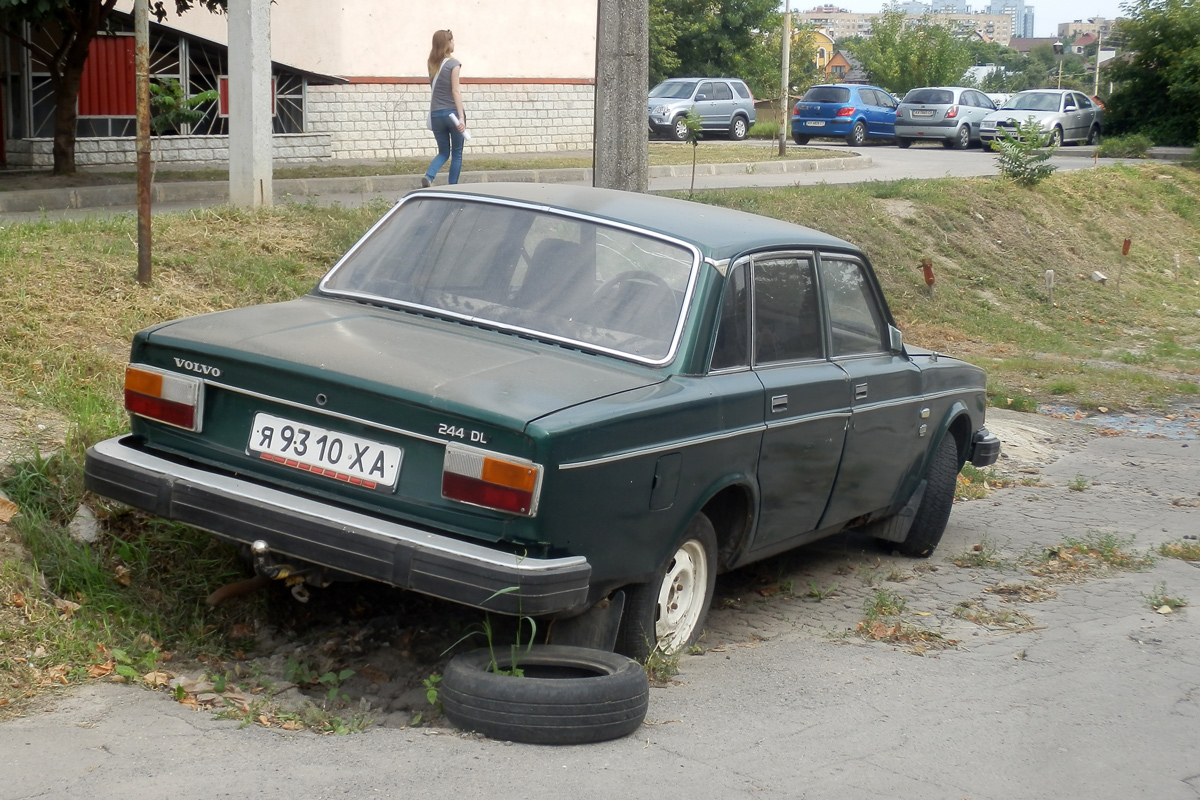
<point x="1071" y="685"/>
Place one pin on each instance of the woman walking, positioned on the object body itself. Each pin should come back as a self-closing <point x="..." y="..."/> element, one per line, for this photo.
<point x="446" y="117"/>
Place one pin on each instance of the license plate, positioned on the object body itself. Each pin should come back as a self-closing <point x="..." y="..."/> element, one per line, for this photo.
<point x="339" y="456"/>
<point x="815" y="123"/>
<point x="922" y="112"/>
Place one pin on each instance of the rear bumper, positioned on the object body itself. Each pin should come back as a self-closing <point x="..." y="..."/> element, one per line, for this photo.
<point x="928" y="130"/>
<point x="985" y="448"/>
<point x="309" y="530"/>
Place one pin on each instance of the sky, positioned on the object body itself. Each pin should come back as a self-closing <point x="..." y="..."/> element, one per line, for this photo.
<point x="1047" y="14"/>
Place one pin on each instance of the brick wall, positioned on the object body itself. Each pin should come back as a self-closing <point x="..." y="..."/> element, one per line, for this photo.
<point x="289" y="148"/>
<point x="384" y="121"/>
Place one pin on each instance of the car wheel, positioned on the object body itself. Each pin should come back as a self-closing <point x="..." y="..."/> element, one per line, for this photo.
<point x="1094" y="135"/>
<point x="668" y="613"/>
<point x="567" y="695"/>
<point x="858" y="135"/>
<point x="903" y="144"/>
<point x="929" y="523"/>
<point x="798" y="139"/>
<point x="738" y="129"/>
<point x="962" y="139"/>
<point x="1056" y="137"/>
<point x="679" y="128"/>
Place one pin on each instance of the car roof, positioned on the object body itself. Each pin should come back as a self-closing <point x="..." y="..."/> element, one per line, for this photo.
<point x="719" y="233"/>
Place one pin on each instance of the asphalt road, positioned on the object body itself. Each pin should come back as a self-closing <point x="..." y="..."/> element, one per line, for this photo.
<point x="1096" y="696"/>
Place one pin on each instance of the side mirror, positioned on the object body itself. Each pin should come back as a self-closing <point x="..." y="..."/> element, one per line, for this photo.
<point x="1070" y="107"/>
<point x="895" y="340"/>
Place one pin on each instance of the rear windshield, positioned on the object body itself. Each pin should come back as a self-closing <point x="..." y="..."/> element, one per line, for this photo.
<point x="932" y="96"/>
<point x="827" y="94"/>
<point x="674" y="89"/>
<point x="568" y="279"/>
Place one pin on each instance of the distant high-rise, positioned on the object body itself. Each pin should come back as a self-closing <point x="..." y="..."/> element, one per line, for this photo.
<point x="1022" y="15"/>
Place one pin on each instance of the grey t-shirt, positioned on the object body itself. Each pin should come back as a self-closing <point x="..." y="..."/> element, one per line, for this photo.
<point x="443" y="94"/>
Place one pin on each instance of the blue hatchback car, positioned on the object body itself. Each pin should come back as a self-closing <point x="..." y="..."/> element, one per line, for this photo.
<point x="844" y="110"/>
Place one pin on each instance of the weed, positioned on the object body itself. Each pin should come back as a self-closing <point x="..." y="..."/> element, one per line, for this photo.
<point x="883" y="603"/>
<point x="976" y="612"/>
<point x="1160" y="601"/>
<point x="660" y="667"/>
<point x="432" y="692"/>
<point x="332" y="682"/>
<point x="1078" y="557"/>
<point x="980" y="556"/>
<point x="1023" y="157"/>
<point x="819" y="594"/>
<point x="696" y="650"/>
<point x="1079" y="483"/>
<point x="1185" y="551"/>
<point x="1025" y="592"/>
<point x="1134" y="145"/>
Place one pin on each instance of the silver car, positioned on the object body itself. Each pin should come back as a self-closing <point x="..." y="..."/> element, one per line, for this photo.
<point x="723" y="104"/>
<point x="1064" y="114"/>
<point x="949" y="114"/>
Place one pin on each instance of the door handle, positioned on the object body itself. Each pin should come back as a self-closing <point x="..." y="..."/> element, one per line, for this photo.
<point x="779" y="403"/>
<point x="860" y="391"/>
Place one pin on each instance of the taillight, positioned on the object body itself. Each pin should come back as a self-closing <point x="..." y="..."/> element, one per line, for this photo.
<point x="848" y="111"/>
<point x="952" y="113"/>
<point x="163" y="396"/>
<point x="483" y="479"/>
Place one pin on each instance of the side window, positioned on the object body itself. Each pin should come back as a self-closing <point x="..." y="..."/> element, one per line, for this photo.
<point x="856" y="322"/>
<point x="723" y="92"/>
<point x="1082" y="101"/>
<point x="741" y="90"/>
<point x="705" y="92"/>
<point x="787" y="324"/>
<point x="868" y="97"/>
<point x="733" y="329"/>
<point x="886" y="100"/>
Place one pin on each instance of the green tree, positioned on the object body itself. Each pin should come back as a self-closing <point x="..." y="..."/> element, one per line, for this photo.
<point x="902" y="54"/>
<point x="663" y="61"/>
<point x="1158" y="86"/>
<point x="63" y="32"/>
<point x="720" y="38"/>
<point x="173" y="109"/>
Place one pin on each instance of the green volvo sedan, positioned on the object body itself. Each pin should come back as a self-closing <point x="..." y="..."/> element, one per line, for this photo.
<point x="553" y="401"/>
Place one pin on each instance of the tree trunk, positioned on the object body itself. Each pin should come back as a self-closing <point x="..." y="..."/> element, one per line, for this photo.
<point x="66" y="95"/>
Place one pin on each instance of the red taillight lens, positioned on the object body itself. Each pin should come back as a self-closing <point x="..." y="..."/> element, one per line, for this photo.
<point x="164" y="396"/>
<point x="848" y="111"/>
<point x="483" y="479"/>
<point x="952" y="113"/>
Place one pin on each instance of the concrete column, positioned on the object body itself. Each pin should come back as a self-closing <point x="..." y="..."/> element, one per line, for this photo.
<point x="621" y="149"/>
<point x="250" y="135"/>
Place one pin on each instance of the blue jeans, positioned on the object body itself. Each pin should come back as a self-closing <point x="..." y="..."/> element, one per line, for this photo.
<point x="450" y="145"/>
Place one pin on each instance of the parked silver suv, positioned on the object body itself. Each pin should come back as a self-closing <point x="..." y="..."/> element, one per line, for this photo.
<point x="723" y="104"/>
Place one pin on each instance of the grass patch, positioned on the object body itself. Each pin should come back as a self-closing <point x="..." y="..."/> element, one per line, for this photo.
<point x="882" y="622"/>
<point x="1185" y="550"/>
<point x="974" y="611"/>
<point x="1095" y="553"/>
<point x="983" y="555"/>
<point x="1162" y="602"/>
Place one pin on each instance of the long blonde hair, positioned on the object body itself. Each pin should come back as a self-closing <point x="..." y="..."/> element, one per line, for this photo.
<point x="442" y="44"/>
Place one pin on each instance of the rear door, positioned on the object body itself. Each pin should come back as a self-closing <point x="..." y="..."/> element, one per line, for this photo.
<point x="880" y="110"/>
<point x="806" y="399"/>
<point x="883" y="443"/>
<point x="722" y="108"/>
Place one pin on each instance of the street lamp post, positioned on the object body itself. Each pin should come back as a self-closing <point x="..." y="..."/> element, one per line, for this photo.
<point x="1058" y="51"/>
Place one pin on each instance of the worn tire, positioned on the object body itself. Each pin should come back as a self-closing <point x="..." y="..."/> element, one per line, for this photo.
<point x="667" y="614"/>
<point x="569" y="695"/>
<point x="798" y="139"/>
<point x="961" y="140"/>
<point x="738" y="129"/>
<point x="858" y="135"/>
<point x="929" y="523"/>
<point x="1056" y="137"/>
<point x="678" y="130"/>
<point x="1094" y="135"/>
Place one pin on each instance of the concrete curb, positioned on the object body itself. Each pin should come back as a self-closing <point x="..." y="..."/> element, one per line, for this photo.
<point x="216" y="192"/>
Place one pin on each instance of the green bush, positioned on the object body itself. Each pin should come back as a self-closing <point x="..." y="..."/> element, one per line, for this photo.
<point x="1133" y="145"/>
<point x="1023" y="157"/>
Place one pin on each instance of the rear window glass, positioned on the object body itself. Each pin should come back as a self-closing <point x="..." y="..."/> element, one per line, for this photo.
<point x="741" y="89"/>
<point x="938" y="96"/>
<point x="827" y="94"/>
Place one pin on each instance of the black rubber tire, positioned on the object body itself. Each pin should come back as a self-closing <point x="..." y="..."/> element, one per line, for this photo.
<point x="929" y="523"/>
<point x="569" y="695"/>
<point x="1056" y="138"/>
<point x="798" y="139"/>
<point x="678" y="130"/>
<point x="962" y="139"/>
<point x="902" y="143"/>
<point x="738" y="128"/>
<point x="858" y="135"/>
<point x="1094" y="135"/>
<point x="639" y="635"/>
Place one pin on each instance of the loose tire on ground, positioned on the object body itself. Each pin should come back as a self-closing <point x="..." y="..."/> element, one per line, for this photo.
<point x="667" y="614"/>
<point x="929" y="523"/>
<point x="569" y="695"/>
<point x="857" y="135"/>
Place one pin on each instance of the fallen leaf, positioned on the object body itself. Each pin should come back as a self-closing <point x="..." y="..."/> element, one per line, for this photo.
<point x="16" y="600"/>
<point x="923" y="613"/>
<point x="121" y="575"/>
<point x="374" y="674"/>
<point x="243" y="630"/>
<point x="768" y="591"/>
<point x="157" y="678"/>
<point x="100" y="670"/>
<point x="66" y="607"/>
<point x="1165" y="609"/>
<point x="8" y="509"/>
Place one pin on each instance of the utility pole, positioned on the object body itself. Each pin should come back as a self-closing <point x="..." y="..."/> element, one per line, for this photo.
<point x="783" y="84"/>
<point x="250" y="134"/>
<point x="141" y="82"/>
<point x="1099" y="42"/>
<point x="621" y="150"/>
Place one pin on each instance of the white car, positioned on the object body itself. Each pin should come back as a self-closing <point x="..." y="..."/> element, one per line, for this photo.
<point x="1064" y="114"/>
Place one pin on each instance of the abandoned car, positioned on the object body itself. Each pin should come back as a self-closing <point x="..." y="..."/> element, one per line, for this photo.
<point x="553" y="401"/>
